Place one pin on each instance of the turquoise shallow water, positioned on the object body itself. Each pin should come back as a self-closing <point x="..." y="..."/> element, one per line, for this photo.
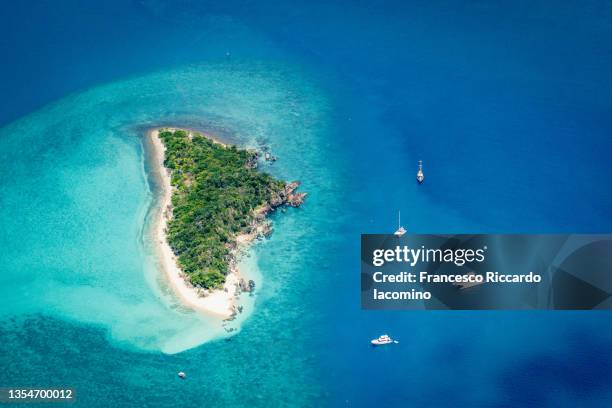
<point x="77" y="248"/>
<point x="86" y="255"/>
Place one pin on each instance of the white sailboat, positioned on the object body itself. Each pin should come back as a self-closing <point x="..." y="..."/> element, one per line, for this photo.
<point x="400" y="230"/>
<point x="420" y="176"/>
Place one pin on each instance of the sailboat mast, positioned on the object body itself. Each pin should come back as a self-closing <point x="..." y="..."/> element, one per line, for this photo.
<point x="399" y="219"/>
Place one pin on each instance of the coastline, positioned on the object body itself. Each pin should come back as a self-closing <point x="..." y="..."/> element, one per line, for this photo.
<point x="221" y="303"/>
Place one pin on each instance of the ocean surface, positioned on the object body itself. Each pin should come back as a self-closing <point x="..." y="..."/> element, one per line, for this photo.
<point x="507" y="103"/>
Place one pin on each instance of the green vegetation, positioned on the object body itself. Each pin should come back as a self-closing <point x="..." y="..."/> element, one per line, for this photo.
<point x="217" y="189"/>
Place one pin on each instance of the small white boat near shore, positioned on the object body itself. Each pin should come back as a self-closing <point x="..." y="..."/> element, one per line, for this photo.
<point x="383" y="340"/>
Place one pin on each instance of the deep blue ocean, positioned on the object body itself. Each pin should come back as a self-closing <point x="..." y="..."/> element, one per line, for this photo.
<point x="507" y="103"/>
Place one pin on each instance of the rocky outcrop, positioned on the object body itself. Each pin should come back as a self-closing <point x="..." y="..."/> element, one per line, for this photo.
<point x="253" y="159"/>
<point x="245" y="286"/>
<point x="294" y="199"/>
<point x="277" y="200"/>
<point x="288" y="196"/>
<point x="269" y="157"/>
<point x="291" y="187"/>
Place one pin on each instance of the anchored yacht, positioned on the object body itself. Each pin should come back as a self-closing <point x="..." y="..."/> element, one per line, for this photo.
<point x="420" y="176"/>
<point x="382" y="340"/>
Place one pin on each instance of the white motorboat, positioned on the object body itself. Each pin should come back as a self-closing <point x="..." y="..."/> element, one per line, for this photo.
<point x="382" y="340"/>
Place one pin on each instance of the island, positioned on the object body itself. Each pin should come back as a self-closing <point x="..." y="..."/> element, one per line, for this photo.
<point x="214" y="202"/>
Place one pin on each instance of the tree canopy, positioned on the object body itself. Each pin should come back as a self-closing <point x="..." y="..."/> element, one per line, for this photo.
<point x="216" y="193"/>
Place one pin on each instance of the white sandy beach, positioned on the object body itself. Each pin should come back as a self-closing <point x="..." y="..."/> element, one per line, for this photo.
<point x="220" y="302"/>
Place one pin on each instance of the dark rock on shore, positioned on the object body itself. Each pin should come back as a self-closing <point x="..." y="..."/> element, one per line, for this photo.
<point x="269" y="157"/>
<point x="245" y="286"/>
<point x="253" y="159"/>
<point x="295" y="200"/>
<point x="288" y="196"/>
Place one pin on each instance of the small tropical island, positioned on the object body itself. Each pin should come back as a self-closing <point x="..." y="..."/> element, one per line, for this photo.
<point x="214" y="202"/>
